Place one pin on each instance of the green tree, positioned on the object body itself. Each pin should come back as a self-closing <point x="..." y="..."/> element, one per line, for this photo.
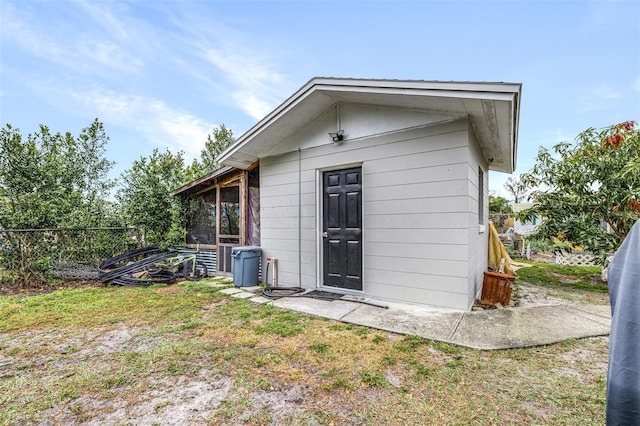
<point x="51" y="181"/>
<point x="219" y="139"/>
<point x="588" y="192"/>
<point x="517" y="188"/>
<point x="145" y="188"/>
<point x="145" y="200"/>
<point x="498" y="204"/>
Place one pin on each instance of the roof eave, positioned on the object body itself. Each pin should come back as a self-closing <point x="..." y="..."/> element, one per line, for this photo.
<point x="463" y="90"/>
<point x="206" y="178"/>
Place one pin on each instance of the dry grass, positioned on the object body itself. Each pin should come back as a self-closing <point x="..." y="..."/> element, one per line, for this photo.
<point x="188" y="355"/>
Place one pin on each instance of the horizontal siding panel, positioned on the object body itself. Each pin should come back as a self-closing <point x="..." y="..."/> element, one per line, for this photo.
<point x="457" y="129"/>
<point x="279" y="179"/>
<point x="472" y="220"/>
<point x="307" y="185"/>
<point x="439" y="173"/>
<point x="279" y="201"/>
<point x="433" y="236"/>
<point x="280" y="245"/>
<point x="399" y="191"/>
<point x="400" y="160"/>
<point x="291" y="244"/>
<point x="277" y="233"/>
<point x="416" y="205"/>
<point x="416" y="221"/>
<point x="281" y="212"/>
<point x="338" y="158"/>
<point x="420" y="266"/>
<point x="279" y="165"/>
<point x="426" y="159"/>
<point x="278" y="190"/>
<point x="425" y="296"/>
<point x="416" y="250"/>
<point x="268" y="234"/>
<point x="288" y="259"/>
<point x="415" y="280"/>
<point x="268" y="181"/>
<point x="288" y="279"/>
<point x="369" y="149"/>
<point x="477" y="246"/>
<point x="420" y="138"/>
<point x="288" y="200"/>
<point x="308" y="222"/>
<point x="475" y="282"/>
<point x="422" y="145"/>
<point x="291" y="266"/>
<point x="288" y="212"/>
<point x="309" y="281"/>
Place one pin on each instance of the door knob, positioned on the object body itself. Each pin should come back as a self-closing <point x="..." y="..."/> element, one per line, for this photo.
<point x="325" y="235"/>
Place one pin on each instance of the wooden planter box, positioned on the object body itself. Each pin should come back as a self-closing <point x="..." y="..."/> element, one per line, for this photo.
<point x="496" y="288"/>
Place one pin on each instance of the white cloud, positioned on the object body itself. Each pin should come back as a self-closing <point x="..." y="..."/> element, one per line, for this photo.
<point x="252" y="104"/>
<point x="253" y="78"/>
<point x="605" y="92"/>
<point x="101" y="59"/>
<point x="70" y="42"/>
<point x="106" y="54"/>
<point x="231" y="63"/>
<point x="160" y="124"/>
<point x="102" y="16"/>
<point x="561" y="136"/>
<point x="598" y="98"/>
<point x="636" y="85"/>
<point x="15" y="29"/>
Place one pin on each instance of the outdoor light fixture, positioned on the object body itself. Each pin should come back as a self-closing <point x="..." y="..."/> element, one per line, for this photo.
<point x="337" y="136"/>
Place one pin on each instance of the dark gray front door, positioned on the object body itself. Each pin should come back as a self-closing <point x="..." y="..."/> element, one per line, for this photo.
<point x="342" y="228"/>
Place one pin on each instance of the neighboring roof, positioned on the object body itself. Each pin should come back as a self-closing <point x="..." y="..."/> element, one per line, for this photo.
<point x="202" y="183"/>
<point x="493" y="109"/>
<point x="518" y="207"/>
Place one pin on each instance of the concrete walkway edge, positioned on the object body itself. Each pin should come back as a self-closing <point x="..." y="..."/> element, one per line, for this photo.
<point x="486" y="330"/>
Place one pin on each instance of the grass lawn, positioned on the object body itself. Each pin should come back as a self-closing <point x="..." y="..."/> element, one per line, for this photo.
<point x="187" y="354"/>
<point x="571" y="278"/>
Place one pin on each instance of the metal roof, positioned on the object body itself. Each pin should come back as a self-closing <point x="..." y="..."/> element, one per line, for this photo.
<point x="205" y="181"/>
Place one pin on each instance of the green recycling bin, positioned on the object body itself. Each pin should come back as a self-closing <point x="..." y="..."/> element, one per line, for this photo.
<point x="246" y="265"/>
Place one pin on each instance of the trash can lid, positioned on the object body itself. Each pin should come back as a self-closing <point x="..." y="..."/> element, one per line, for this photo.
<point x="245" y="248"/>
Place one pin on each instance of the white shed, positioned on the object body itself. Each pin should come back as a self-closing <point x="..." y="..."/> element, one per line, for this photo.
<point x="528" y="227"/>
<point x="378" y="188"/>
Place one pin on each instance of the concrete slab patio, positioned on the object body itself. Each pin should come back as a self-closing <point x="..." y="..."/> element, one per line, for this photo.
<point x="488" y="329"/>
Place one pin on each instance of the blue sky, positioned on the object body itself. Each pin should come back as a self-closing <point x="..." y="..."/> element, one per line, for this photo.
<point x="164" y="73"/>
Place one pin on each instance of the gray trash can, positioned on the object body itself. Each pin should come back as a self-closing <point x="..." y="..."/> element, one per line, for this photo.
<point x="246" y="264"/>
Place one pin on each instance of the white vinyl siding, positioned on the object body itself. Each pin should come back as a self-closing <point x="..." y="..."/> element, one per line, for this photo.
<point x="417" y="206"/>
<point x="478" y="241"/>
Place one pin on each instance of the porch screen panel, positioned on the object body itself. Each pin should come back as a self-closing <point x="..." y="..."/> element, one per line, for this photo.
<point x="230" y="215"/>
<point x="201" y="220"/>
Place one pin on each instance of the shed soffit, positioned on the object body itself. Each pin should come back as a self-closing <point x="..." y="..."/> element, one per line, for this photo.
<point x="492" y="108"/>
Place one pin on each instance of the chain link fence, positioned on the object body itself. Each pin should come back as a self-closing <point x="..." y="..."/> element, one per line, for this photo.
<point x="62" y="252"/>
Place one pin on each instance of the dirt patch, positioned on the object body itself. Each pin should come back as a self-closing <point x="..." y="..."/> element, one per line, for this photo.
<point x="172" y="401"/>
<point x="563" y="278"/>
<point x="532" y="295"/>
<point x="33" y="288"/>
<point x="170" y="290"/>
